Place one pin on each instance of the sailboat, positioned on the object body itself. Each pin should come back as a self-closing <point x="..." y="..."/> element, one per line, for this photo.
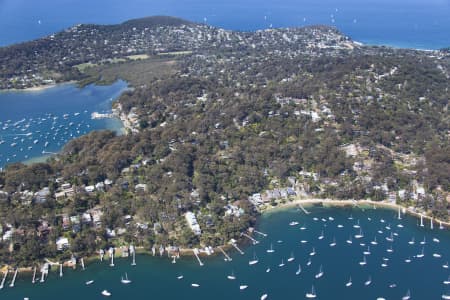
<point x="282" y="263"/>
<point x="231" y="276"/>
<point x="313" y="252"/>
<point x="424" y="241"/>
<point x="359" y="235"/>
<point x="333" y="243"/>
<point x="363" y="262"/>
<point x="321" y="236"/>
<point x="407" y="296"/>
<point x="270" y="250"/>
<point x="299" y="270"/>
<point x="254" y="260"/>
<point x="243" y="287"/>
<point x="367" y="252"/>
<point x="349" y="241"/>
<point x="264" y="297"/>
<point x="412" y="241"/>
<point x="89" y="282"/>
<point x="349" y="282"/>
<point x="374" y="242"/>
<point x="320" y="274"/>
<point x="312" y="294"/>
<point x="179" y="277"/>
<point x="125" y="280"/>
<point x="357" y="225"/>
<point x="421" y="254"/>
<point x="368" y="281"/>
<point x="291" y="258"/>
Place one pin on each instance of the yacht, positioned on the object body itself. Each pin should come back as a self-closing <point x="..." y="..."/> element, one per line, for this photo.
<point x="293" y="223"/>
<point x="180" y="277"/>
<point x="312" y="294"/>
<point x="243" y="287"/>
<point x="308" y="263"/>
<point x="321" y="236"/>
<point x="445" y="266"/>
<point x="106" y="293"/>
<point x="356" y="225"/>
<point x="291" y="258"/>
<point x="333" y="243"/>
<point x="367" y="252"/>
<point x="444" y="296"/>
<point x="363" y="262"/>
<point x="349" y="283"/>
<point x="264" y="297"/>
<point x="408" y="260"/>
<point x="313" y="252"/>
<point x="340" y="226"/>
<point x="436" y="240"/>
<point x="125" y="280"/>
<point x="411" y="242"/>
<point x="437" y="255"/>
<point x="359" y="235"/>
<point x="349" y="241"/>
<point x="282" y="263"/>
<point x="374" y="242"/>
<point x="368" y="281"/>
<point x="424" y="241"/>
<point x="195" y="285"/>
<point x="231" y="276"/>
<point x="447" y="282"/>
<point x="407" y="296"/>
<point x="421" y="254"/>
<point x="254" y="260"/>
<point x="89" y="282"/>
<point x="320" y="274"/>
<point x="270" y="250"/>
<point x="267" y="270"/>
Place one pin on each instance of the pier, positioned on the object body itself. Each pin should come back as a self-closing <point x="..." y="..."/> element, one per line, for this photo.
<point x="14" y="278"/>
<point x="34" y="275"/>
<point x="3" y="280"/>
<point x="250" y="238"/>
<point x="237" y="248"/>
<point x="227" y="258"/>
<point x="303" y="209"/>
<point x="82" y="264"/>
<point x="260" y="233"/>
<point x="198" y="258"/>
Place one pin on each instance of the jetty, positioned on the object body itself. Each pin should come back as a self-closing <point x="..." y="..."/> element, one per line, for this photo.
<point x="3" y="280"/>
<point x="82" y="263"/>
<point x="14" y="278"/>
<point x="198" y="258"/>
<point x="227" y="258"/>
<point x="303" y="209"/>
<point x="34" y="275"/>
<point x="250" y="238"/>
<point x="237" y="248"/>
<point x="60" y="270"/>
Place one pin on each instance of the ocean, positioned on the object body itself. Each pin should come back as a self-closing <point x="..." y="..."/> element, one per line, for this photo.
<point x="34" y="125"/>
<point x="422" y="24"/>
<point x="157" y="278"/>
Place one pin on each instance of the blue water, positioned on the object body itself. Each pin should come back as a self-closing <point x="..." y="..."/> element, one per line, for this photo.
<point x="29" y="120"/>
<point x="156" y="278"/>
<point x="406" y="23"/>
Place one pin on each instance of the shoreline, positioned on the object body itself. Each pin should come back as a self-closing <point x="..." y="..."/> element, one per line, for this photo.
<point x="38" y="88"/>
<point x="342" y="203"/>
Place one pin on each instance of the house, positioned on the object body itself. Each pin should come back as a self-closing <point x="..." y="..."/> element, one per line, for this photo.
<point x="192" y="222"/>
<point x="75" y="220"/>
<point x="141" y="187"/>
<point x="100" y="186"/>
<point x="97" y="217"/>
<point x="86" y="218"/>
<point x="65" y="222"/>
<point x="90" y="188"/>
<point x="62" y="244"/>
<point x="42" y="195"/>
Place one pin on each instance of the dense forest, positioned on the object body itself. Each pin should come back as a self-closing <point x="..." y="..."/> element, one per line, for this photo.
<point x="324" y="116"/>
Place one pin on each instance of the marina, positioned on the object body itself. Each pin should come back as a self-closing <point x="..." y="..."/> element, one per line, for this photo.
<point x="258" y="272"/>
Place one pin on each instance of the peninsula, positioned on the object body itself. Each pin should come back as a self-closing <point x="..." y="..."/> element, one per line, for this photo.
<point x="220" y="123"/>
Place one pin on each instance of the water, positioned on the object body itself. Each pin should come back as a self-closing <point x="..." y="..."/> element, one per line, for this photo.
<point x="158" y="277"/>
<point x="407" y="23"/>
<point x="41" y="122"/>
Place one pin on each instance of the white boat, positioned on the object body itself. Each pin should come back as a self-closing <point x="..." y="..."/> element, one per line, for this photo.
<point x="407" y="296"/>
<point x="408" y="260"/>
<point x="320" y="274"/>
<point x="231" y="276"/>
<point x="363" y="262"/>
<point x="243" y="287"/>
<point x="293" y="223"/>
<point x="312" y="294"/>
<point x="349" y="282"/>
<point x="368" y="281"/>
<point x="313" y="252"/>
<point x="267" y="270"/>
<point x="390" y="250"/>
<point x="436" y="240"/>
<point x="299" y="270"/>
<point x="195" y="285"/>
<point x="340" y="226"/>
<point x="359" y="235"/>
<point x="89" y="282"/>
<point x="445" y="266"/>
<point x="321" y="236"/>
<point x="270" y="250"/>
<point x="308" y="263"/>
<point x="412" y="241"/>
<point x="437" y="255"/>
<point x="367" y="252"/>
<point x="106" y="293"/>
<point x="254" y="260"/>
<point x="303" y="227"/>
<point x="444" y="296"/>
<point x="424" y="241"/>
<point x="303" y="241"/>
<point x="180" y="277"/>
<point x="333" y="243"/>
<point x="125" y="280"/>
<point x="349" y="241"/>
<point x="356" y="225"/>
<point x="447" y="282"/>
<point x="282" y="263"/>
<point x="421" y="254"/>
<point x="392" y="285"/>
<point x="264" y="297"/>
<point x="390" y="238"/>
<point x="374" y="242"/>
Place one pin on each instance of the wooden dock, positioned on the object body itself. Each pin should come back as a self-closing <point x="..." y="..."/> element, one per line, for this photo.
<point x="227" y="258"/>
<point x="303" y="209"/>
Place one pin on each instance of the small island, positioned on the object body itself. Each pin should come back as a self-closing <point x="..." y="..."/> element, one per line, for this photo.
<point x="221" y="124"/>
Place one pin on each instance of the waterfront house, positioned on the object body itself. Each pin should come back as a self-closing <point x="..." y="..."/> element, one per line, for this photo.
<point x="62" y="243"/>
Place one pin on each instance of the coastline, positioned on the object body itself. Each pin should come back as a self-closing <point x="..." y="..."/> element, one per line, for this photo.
<point x="38" y="88"/>
<point x="342" y="203"/>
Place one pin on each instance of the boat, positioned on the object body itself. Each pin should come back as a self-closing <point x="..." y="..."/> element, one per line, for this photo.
<point x="106" y="293"/>
<point x="195" y="285"/>
<point x="282" y="263"/>
<point x="270" y="250"/>
<point x="320" y="274"/>
<point x="444" y="296"/>
<point x="267" y="270"/>
<point x="359" y="235"/>
<point x="368" y="281"/>
<point x="291" y="258"/>
<point x="349" y="282"/>
<point x="312" y="294"/>
<point x="89" y="282"/>
<point x="231" y="276"/>
<point x="392" y="285"/>
<point x="180" y="277"/>
<point x="243" y="287"/>
<point x="390" y="238"/>
<point x="363" y="262"/>
<point x="407" y="296"/>
<point x="340" y="226"/>
<point x="125" y="280"/>
<point x="437" y="255"/>
<point x="313" y="252"/>
<point x="293" y="223"/>
<point x="447" y="282"/>
<point x="367" y="252"/>
<point x="254" y="260"/>
<point x="299" y="270"/>
<point x="421" y="254"/>
<point x="303" y="227"/>
<point x="349" y="241"/>
<point x="333" y="243"/>
<point x="390" y="250"/>
<point x="374" y="242"/>
<point x="412" y="241"/>
<point x="264" y="297"/>
<point x="321" y="236"/>
<point x="424" y="241"/>
<point x="436" y="240"/>
<point x="356" y="225"/>
<point x="408" y="260"/>
<point x="445" y="266"/>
